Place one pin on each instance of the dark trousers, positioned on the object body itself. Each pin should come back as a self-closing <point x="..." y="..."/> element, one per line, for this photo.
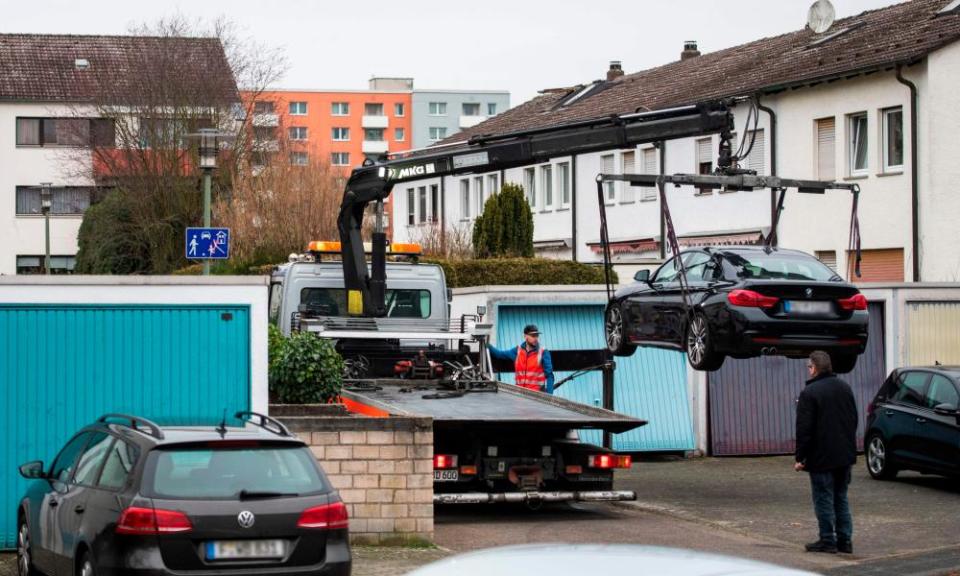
<point x="831" y="505"/>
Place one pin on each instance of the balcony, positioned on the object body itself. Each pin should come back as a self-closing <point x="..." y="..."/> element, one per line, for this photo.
<point x="374" y="122"/>
<point x="471" y="121"/>
<point x="265" y="145"/>
<point x="375" y="146"/>
<point x="266" y="119"/>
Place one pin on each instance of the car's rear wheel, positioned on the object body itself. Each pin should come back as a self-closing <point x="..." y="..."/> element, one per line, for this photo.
<point x="699" y="345"/>
<point x="878" y="459"/>
<point x="615" y="332"/>
<point x="86" y="566"/>
<point x="24" y="551"/>
<point x="843" y="363"/>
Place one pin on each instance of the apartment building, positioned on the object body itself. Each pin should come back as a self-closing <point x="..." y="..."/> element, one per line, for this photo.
<point x="835" y="105"/>
<point x="439" y="114"/>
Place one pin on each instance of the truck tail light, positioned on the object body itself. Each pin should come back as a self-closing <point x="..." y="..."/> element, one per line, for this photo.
<point x="855" y="302"/>
<point x="468" y="470"/>
<point x="751" y="299"/>
<point x="607" y="461"/>
<point x="151" y="522"/>
<point x="327" y="517"/>
<point x="444" y="461"/>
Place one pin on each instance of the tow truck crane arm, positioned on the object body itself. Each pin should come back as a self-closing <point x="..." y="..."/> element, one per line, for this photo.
<point x="373" y="182"/>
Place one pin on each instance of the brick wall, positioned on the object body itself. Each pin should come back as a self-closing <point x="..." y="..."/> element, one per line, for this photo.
<point x="383" y="468"/>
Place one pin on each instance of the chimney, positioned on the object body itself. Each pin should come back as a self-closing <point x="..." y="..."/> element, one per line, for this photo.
<point x="615" y="71"/>
<point x="689" y="50"/>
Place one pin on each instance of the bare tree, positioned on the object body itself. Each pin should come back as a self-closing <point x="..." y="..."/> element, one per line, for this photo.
<point x="454" y="242"/>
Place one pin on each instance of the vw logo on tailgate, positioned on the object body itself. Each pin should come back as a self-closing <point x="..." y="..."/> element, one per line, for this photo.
<point x="246" y="519"/>
<point x="809" y="292"/>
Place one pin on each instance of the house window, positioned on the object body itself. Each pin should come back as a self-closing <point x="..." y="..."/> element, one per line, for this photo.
<point x="299" y="158"/>
<point x="340" y="158"/>
<point x="491" y="108"/>
<point x="754" y="160"/>
<point x="372" y="109"/>
<point x="857" y="140"/>
<point x="260" y="134"/>
<point x="628" y="162"/>
<point x="546" y="179"/>
<point x="65" y="132"/>
<point x="826" y="149"/>
<point x="373" y="134"/>
<point x="607" y="167"/>
<point x="399" y="134"/>
<point x="563" y="183"/>
<point x="530" y="184"/>
<point x="471" y="108"/>
<point x="465" y="199"/>
<point x="434" y="203"/>
<point x="411" y="207"/>
<point x="340" y="109"/>
<point x="893" y="139"/>
<point x="437" y="133"/>
<point x="399" y="109"/>
<point x="298" y="108"/>
<point x="478" y="193"/>
<point x="422" y="195"/>
<point x="828" y="257"/>
<point x="649" y="160"/>
<point x="341" y="134"/>
<point x="35" y="264"/>
<point x="298" y="132"/>
<point x="704" y="160"/>
<point x="64" y="200"/>
<point x="437" y="108"/>
<point x="493" y="184"/>
<point x="263" y="107"/>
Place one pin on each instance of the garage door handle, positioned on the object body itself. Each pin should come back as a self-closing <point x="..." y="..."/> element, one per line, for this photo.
<point x="922" y="420"/>
<point x="80" y="509"/>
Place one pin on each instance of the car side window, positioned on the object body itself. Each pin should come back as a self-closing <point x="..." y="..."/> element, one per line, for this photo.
<point x="92" y="459"/>
<point x="912" y="385"/>
<point x="942" y="391"/>
<point x="698" y="267"/>
<point x="66" y="460"/>
<point x="121" y="459"/>
<point x="667" y="273"/>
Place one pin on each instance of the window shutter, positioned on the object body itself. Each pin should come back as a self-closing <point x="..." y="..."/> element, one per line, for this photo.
<point x="629" y="167"/>
<point x="649" y="167"/>
<point x="607" y="168"/>
<point x="704" y="150"/>
<point x="826" y="149"/>
<point x="755" y="159"/>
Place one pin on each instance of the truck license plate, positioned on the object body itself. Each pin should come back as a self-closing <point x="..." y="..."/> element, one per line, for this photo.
<point x="245" y="549"/>
<point x="804" y="307"/>
<point x="446" y="475"/>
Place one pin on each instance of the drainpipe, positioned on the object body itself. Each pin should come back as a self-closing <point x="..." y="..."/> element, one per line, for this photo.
<point x="443" y="216"/>
<point x="662" y="145"/>
<point x="573" y="204"/>
<point x="914" y="185"/>
<point x="773" y="156"/>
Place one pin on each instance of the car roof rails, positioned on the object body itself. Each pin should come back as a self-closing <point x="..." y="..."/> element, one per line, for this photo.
<point x="136" y="423"/>
<point x="267" y="423"/>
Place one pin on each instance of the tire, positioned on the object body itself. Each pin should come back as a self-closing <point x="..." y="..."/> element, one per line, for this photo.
<point x="843" y="363"/>
<point x="614" y="329"/>
<point x="85" y="566"/>
<point x="698" y="344"/>
<point x="24" y="551"/>
<point x="879" y="462"/>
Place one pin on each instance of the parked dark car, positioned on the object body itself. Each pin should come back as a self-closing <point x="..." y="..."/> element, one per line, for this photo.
<point x="743" y="302"/>
<point x="913" y="423"/>
<point x="127" y="497"/>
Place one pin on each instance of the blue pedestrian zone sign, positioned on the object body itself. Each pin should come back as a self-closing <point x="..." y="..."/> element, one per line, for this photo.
<point x="208" y="243"/>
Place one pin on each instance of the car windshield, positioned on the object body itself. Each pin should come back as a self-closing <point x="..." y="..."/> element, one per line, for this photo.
<point x="231" y="472"/>
<point x="780" y="266"/>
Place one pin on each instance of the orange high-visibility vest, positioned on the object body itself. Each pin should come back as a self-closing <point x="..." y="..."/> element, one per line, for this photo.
<point x="528" y="370"/>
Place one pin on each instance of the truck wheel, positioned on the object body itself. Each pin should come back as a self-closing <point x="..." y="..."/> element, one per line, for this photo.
<point x="843" y="363"/>
<point x="699" y="345"/>
<point x="615" y="332"/>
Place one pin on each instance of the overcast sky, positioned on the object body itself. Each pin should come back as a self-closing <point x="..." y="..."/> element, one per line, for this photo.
<point x="516" y="45"/>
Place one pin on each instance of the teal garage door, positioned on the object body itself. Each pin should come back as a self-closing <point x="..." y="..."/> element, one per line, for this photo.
<point x="62" y="366"/>
<point x="651" y="384"/>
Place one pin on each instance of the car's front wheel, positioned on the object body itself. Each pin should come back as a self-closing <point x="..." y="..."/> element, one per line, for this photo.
<point x="878" y="459"/>
<point x="843" y="363"/>
<point x="86" y="566"/>
<point x="699" y="345"/>
<point x="615" y="332"/>
<point x="24" y="551"/>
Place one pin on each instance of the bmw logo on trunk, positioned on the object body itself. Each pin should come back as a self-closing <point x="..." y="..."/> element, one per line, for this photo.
<point x="809" y="292"/>
<point x="246" y="519"/>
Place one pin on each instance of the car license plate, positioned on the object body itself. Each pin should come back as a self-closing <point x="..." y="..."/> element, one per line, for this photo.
<point x="807" y="307"/>
<point x="245" y="549"/>
<point x="446" y="475"/>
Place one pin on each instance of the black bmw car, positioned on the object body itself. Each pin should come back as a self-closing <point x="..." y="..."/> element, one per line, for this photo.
<point x="126" y="497"/>
<point x="741" y="302"/>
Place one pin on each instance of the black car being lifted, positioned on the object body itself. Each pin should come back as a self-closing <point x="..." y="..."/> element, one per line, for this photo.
<point x="740" y="302"/>
<point x="125" y="496"/>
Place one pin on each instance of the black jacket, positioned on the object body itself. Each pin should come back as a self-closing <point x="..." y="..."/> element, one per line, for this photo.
<point x="826" y="424"/>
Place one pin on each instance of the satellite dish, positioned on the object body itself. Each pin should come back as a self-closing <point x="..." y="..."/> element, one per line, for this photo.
<point x="821" y="16"/>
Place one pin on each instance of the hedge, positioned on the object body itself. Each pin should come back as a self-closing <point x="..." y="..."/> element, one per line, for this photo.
<point x="519" y="272"/>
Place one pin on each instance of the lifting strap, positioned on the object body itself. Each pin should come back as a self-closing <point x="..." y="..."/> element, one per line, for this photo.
<point x="674" y="247"/>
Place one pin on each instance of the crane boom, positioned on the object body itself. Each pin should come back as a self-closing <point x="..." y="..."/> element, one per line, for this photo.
<point x="373" y="182"/>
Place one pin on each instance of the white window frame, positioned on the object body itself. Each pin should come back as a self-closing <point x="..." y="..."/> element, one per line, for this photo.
<point x="423" y="205"/>
<point x="821" y="155"/>
<point x="463" y="110"/>
<point x="339" y="158"/>
<point x="465" y="199"/>
<point x="437" y="108"/>
<point x="339" y="108"/>
<point x="530" y="186"/>
<point x="493" y="184"/>
<point x="491" y="108"/>
<point x="648" y="194"/>
<point x="564" y="190"/>
<point x="380" y="104"/>
<point x="399" y="134"/>
<point x="548" y="187"/>
<point x="628" y="193"/>
<point x="298" y="105"/>
<point x="340" y="133"/>
<point x="295" y="131"/>
<point x="434" y="202"/>
<point x="889" y="168"/>
<point x="478" y="194"/>
<point x="608" y="165"/>
<point x="383" y="135"/>
<point x="441" y="133"/>
<point x="298" y="155"/>
<point x="411" y="206"/>
<point x="852" y="134"/>
<point x="399" y="109"/>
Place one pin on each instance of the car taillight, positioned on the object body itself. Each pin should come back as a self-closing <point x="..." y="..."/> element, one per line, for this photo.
<point x="609" y="461"/>
<point x="751" y="299"/>
<point x="150" y="522"/>
<point x="327" y="517"/>
<point x="444" y="461"/>
<point x="855" y="302"/>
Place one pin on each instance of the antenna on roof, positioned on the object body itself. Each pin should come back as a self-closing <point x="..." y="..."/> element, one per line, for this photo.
<point x="821" y="16"/>
<point x="222" y="427"/>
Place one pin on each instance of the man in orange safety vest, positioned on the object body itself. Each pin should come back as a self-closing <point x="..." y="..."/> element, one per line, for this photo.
<point x="533" y="368"/>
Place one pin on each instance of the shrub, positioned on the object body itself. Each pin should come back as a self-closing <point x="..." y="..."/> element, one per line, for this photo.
<point x="506" y="226"/>
<point x="519" y="271"/>
<point x="304" y="369"/>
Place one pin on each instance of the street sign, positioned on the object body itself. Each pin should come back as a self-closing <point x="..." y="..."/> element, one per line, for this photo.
<point x="208" y="243"/>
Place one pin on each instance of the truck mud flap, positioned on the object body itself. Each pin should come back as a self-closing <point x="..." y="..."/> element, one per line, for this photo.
<point x="510" y="497"/>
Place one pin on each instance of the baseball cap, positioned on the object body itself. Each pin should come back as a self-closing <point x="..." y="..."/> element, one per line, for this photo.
<point x="531" y="329"/>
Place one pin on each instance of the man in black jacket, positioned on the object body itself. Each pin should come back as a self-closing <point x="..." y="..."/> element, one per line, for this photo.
<point x="827" y="449"/>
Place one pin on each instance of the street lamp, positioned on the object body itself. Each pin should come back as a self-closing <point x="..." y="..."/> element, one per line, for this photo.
<point x="46" y="202"/>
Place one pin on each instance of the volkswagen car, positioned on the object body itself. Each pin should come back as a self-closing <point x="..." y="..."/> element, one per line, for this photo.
<point x="127" y="497"/>
<point x="740" y="302"/>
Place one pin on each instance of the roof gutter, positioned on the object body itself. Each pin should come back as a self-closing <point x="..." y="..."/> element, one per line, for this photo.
<point x="914" y="180"/>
